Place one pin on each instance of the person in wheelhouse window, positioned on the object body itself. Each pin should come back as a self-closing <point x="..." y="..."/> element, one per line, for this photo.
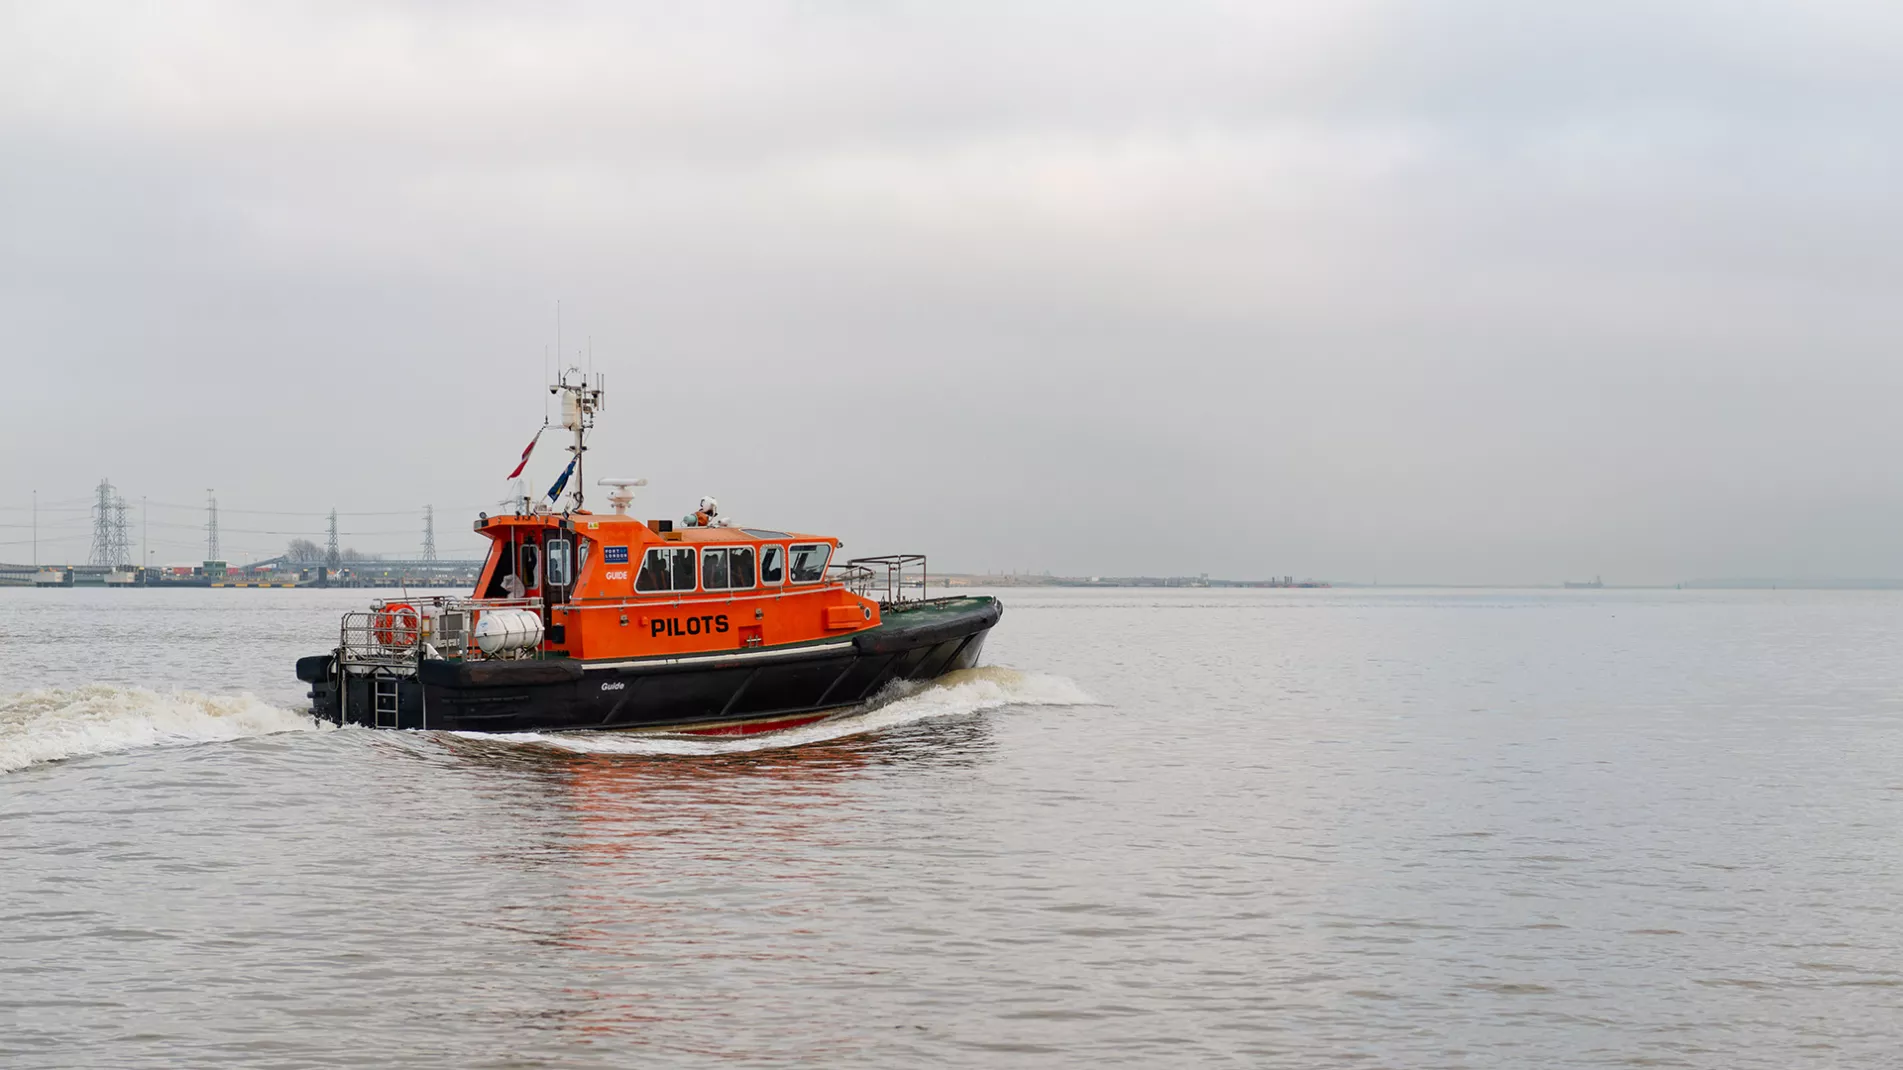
<point x="531" y="570"/>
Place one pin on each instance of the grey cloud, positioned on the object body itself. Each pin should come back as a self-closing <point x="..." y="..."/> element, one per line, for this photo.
<point x="1460" y="292"/>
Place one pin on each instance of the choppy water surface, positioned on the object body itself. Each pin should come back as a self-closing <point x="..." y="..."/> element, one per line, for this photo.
<point x="1299" y="828"/>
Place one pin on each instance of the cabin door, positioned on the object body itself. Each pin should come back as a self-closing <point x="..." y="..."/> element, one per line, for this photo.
<point x="559" y="560"/>
<point x="560" y="563"/>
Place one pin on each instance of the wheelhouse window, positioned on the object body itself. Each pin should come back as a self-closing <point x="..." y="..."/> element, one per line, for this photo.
<point x="669" y="568"/>
<point x="772" y="564"/>
<point x="558" y="563"/>
<point x="504" y="582"/>
<point x="653" y="574"/>
<point x="809" y="561"/>
<point x="726" y="568"/>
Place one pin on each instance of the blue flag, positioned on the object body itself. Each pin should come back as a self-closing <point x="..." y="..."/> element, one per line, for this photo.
<point x="555" y="491"/>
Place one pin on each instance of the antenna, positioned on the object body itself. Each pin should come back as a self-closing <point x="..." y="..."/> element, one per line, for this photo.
<point x="331" y="558"/>
<point x="580" y="401"/>
<point x="429" y="534"/>
<point x="211" y="527"/>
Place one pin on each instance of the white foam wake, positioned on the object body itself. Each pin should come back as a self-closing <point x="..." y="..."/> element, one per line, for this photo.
<point x="965" y="692"/>
<point x="51" y="724"/>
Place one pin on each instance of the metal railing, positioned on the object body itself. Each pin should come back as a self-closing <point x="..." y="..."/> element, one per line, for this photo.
<point x="358" y="642"/>
<point x="893" y="579"/>
<point x="396" y="633"/>
<point x="857" y="578"/>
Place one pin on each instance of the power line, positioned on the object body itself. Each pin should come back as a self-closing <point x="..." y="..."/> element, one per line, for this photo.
<point x="79" y="505"/>
<point x="278" y="531"/>
<point x="87" y="508"/>
<point x="286" y="512"/>
<point x="104" y="521"/>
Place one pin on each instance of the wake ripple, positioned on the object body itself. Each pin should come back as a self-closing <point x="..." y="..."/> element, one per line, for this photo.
<point x="52" y="724"/>
<point x="904" y="702"/>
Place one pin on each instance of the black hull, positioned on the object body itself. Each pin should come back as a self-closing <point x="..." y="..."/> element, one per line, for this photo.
<point x="745" y="690"/>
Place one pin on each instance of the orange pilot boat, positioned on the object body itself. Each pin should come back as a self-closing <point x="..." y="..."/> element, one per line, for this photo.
<point x="582" y="620"/>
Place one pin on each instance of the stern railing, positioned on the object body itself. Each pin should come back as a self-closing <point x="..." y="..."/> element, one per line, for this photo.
<point x="442" y="626"/>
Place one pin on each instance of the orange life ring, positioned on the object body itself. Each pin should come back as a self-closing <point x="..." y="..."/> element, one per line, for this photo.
<point x="396" y="625"/>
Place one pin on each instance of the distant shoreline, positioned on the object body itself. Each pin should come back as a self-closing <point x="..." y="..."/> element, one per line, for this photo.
<point x="20" y="576"/>
<point x="960" y="579"/>
<point x="1721" y="584"/>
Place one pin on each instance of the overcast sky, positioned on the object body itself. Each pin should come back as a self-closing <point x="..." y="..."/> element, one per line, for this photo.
<point x="1455" y="292"/>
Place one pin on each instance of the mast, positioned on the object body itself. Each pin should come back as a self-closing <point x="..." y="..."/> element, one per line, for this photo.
<point x="581" y="400"/>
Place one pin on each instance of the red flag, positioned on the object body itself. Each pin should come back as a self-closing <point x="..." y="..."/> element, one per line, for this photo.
<point x="525" y="454"/>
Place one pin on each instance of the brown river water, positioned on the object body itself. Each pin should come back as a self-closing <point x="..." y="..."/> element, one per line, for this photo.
<point x="1368" y="828"/>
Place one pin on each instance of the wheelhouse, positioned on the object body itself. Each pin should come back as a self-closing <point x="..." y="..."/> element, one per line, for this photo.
<point x="603" y="581"/>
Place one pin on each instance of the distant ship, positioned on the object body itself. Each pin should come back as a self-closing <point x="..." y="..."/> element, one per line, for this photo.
<point x="1593" y="586"/>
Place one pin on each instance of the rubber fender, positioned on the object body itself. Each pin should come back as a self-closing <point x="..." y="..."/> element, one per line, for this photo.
<point x="499" y="673"/>
<point x="897" y="632"/>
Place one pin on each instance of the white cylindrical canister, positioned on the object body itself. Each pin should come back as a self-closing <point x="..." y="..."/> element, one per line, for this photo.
<point x="499" y="631"/>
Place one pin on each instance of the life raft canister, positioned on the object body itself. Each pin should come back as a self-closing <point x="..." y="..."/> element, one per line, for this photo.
<point x="396" y="625"/>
